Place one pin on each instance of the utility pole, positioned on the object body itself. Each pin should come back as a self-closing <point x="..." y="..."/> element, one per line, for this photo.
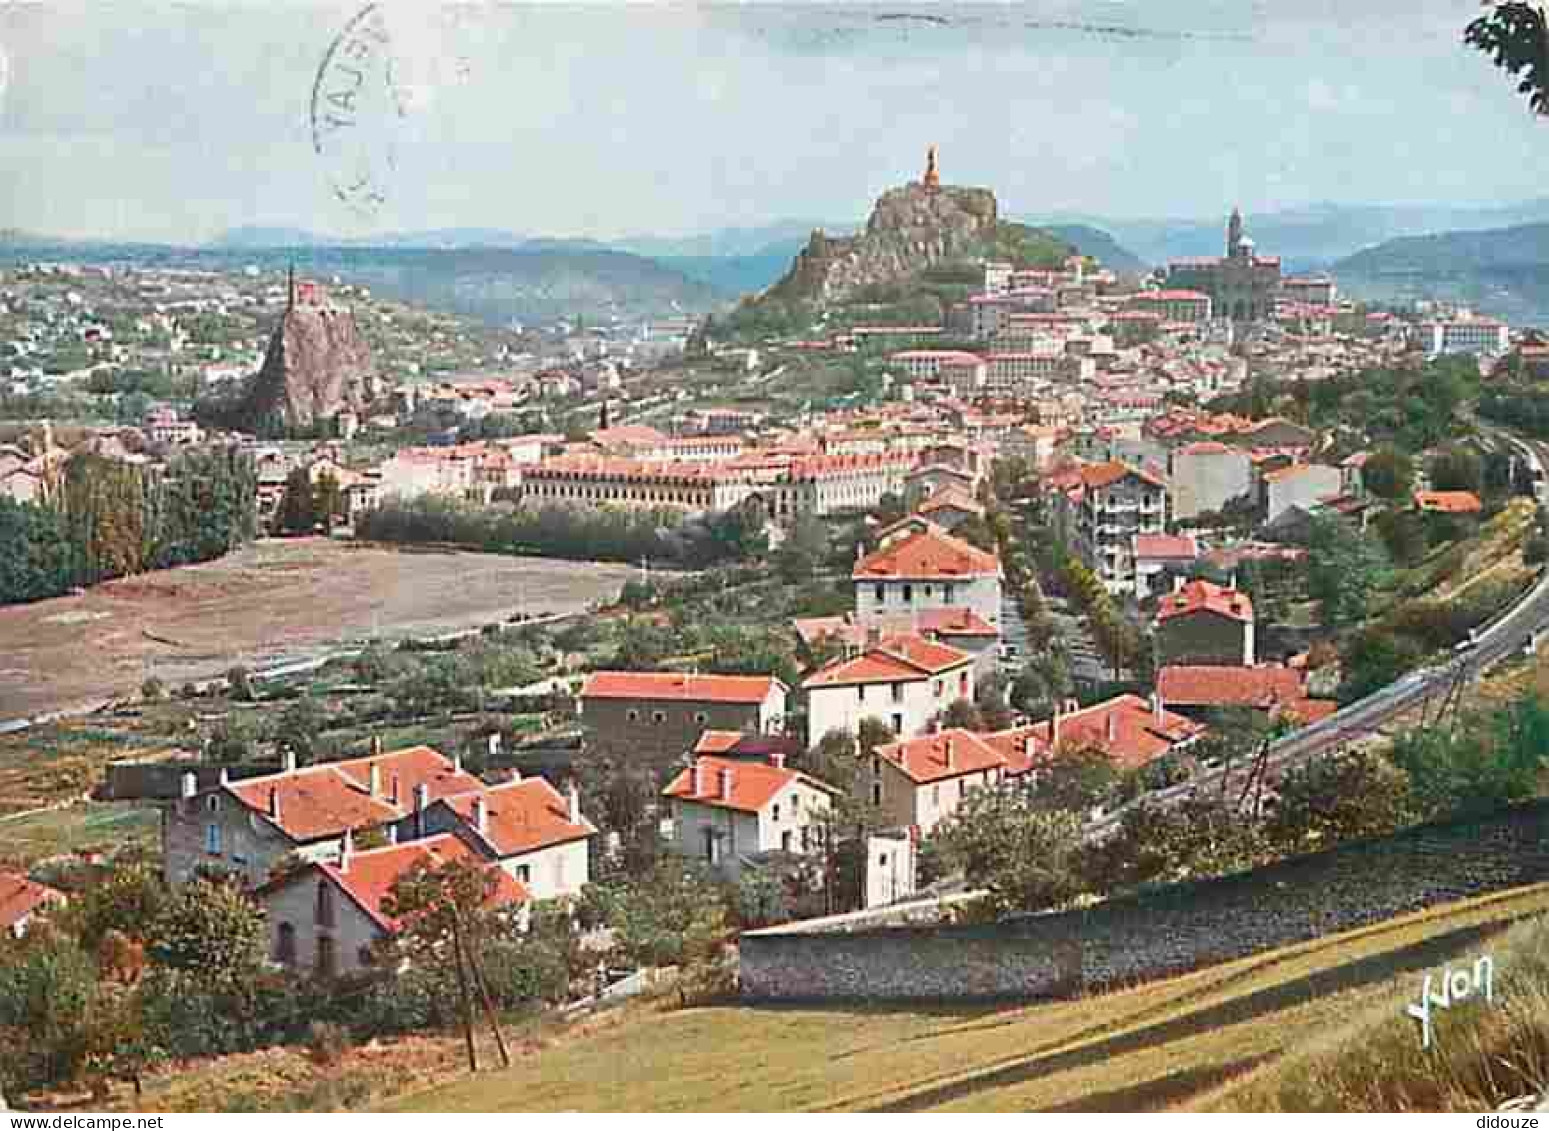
<point x="483" y="988"/>
<point x="462" y="989"/>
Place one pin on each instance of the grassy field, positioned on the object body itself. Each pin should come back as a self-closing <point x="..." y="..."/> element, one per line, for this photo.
<point x="1151" y="1047"/>
<point x="85" y="827"/>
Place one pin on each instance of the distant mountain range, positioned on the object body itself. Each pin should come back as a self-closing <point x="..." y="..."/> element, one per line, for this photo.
<point x="1500" y="271"/>
<point x="1100" y="245"/>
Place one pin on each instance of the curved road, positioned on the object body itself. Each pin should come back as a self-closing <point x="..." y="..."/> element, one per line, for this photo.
<point x="1516" y="629"/>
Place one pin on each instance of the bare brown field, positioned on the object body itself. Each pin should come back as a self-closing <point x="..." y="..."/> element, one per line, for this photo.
<point x="275" y="601"/>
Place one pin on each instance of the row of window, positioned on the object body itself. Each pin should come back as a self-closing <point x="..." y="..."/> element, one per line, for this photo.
<point x="659" y="717"/>
<point x="907" y="593"/>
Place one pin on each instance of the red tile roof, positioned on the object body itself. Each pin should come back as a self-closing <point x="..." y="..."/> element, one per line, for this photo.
<point x="520" y="816"/>
<point x="1449" y="502"/>
<point x="325" y="800"/>
<point x="752" y="784"/>
<point x="744" y="745"/>
<point x="936" y="757"/>
<point x="1127" y="728"/>
<point x="1166" y="546"/>
<point x="1106" y="474"/>
<point x="685" y="687"/>
<point x="928" y="554"/>
<point x="21" y="897"/>
<point x="955" y="620"/>
<point x="950" y="495"/>
<point x="1200" y="596"/>
<point x="1215" y="685"/>
<point x="367" y="876"/>
<point x="899" y="658"/>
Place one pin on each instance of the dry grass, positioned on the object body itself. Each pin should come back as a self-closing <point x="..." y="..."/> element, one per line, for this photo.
<point x="86" y="827"/>
<point x="1145" y="1048"/>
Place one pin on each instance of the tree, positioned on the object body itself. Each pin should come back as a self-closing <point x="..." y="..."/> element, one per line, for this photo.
<point x="299" y="726"/>
<point x="1389" y="473"/>
<point x="1374" y="658"/>
<point x="128" y="899"/>
<point x="1359" y="793"/>
<point x="666" y="917"/>
<point x="961" y="713"/>
<point x="1479" y="765"/>
<point x="298" y="512"/>
<point x="1157" y="844"/>
<point x="1344" y="568"/>
<point x="1076" y="776"/>
<point x="1027" y="857"/>
<point x="212" y="932"/>
<point x="1516" y="37"/>
<point x="1456" y="468"/>
<point x="1403" y="533"/>
<point x="799" y="556"/>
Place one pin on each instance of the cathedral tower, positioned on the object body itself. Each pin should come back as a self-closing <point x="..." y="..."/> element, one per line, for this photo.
<point x="931" y="179"/>
<point x="1233" y="234"/>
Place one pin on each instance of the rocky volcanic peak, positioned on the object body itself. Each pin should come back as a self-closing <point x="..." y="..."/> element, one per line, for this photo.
<point x="911" y="228"/>
<point x="317" y="365"/>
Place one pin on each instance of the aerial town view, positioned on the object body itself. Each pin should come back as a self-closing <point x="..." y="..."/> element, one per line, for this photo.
<point x="774" y="558"/>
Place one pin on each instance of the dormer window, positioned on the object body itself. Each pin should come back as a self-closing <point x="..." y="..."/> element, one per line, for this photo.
<point x="213" y="803"/>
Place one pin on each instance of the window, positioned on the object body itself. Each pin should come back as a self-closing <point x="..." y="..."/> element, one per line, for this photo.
<point x="213" y="803"/>
<point x="795" y="803"/>
<point x="876" y="793"/>
<point x="941" y="685"/>
<point x="881" y="594"/>
<point x="776" y="815"/>
<point x="285" y="945"/>
<point x="860" y="693"/>
<point x="935" y="795"/>
<point x="962" y="684"/>
<point x="927" y="591"/>
<point x="946" y="593"/>
<point x="898" y="693"/>
<point x="658" y="717"/>
<point x="632" y="715"/>
<point x="898" y="725"/>
<point x="876" y="764"/>
<point x="908" y="593"/>
<point x="785" y="841"/>
<point x="325" y="915"/>
<point x="327" y="961"/>
<point x="701" y="717"/>
<point x="212" y="839"/>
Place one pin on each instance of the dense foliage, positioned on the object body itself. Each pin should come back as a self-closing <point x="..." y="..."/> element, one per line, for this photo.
<point x="588" y="534"/>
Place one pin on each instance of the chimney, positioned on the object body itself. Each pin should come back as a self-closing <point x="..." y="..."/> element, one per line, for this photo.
<point x="1027" y="746"/>
<point x="948" y="747"/>
<point x="225" y="776"/>
<point x="699" y="778"/>
<point x="189" y="786"/>
<point x="346" y="850"/>
<point x="288" y="758"/>
<point x="777" y="759"/>
<point x="494" y="744"/>
<point x="392" y="834"/>
<point x="573" y="802"/>
<point x="274" y="803"/>
<point x="376" y="745"/>
<point x="457" y="763"/>
<point x="1054" y="725"/>
<point x="1156" y="706"/>
<point x="421" y="797"/>
<point x="393" y="796"/>
<point x="480" y="814"/>
<point x="1178" y="582"/>
<point x="726" y="783"/>
<point x="375" y="778"/>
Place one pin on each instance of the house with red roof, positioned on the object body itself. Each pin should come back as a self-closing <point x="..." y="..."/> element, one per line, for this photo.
<point x="730" y="813"/>
<point x="656" y="716"/>
<point x="330" y="916"/>
<point x="1099" y="508"/>
<point x="903" y="680"/>
<point x="1271" y="689"/>
<point x="1132" y="731"/>
<point x="1206" y="475"/>
<point x="24" y="901"/>
<point x="244" y="828"/>
<point x="918" y="782"/>
<point x="919" y="567"/>
<point x="535" y="834"/>
<point x="1205" y="623"/>
<point x="950" y="507"/>
<point x="1157" y="555"/>
<point x="959" y="627"/>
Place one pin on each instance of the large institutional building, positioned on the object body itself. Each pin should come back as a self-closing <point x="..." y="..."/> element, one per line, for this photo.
<point x="1242" y="285"/>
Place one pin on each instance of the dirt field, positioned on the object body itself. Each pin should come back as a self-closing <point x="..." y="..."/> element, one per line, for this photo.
<point x="272" y="602"/>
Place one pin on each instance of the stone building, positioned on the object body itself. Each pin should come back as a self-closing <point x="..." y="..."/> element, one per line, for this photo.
<point x="921" y="567"/>
<point x="902" y="680"/>
<point x="1204" y="623"/>
<point x="657" y="716"/>
<point x="1242" y="285"/>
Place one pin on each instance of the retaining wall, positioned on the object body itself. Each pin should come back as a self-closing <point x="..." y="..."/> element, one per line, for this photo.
<point x="1158" y="933"/>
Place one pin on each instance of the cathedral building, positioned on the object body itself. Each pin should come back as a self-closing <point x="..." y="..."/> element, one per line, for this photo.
<point x="1242" y="284"/>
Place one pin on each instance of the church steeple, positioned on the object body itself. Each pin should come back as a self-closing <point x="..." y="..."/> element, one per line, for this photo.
<point x="1234" y="233"/>
<point x="931" y="179"/>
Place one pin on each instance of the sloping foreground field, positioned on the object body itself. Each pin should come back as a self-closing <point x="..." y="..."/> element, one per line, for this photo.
<point x="1154" y="1046"/>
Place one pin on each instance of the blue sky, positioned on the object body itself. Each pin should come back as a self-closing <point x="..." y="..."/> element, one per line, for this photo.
<point x="177" y="121"/>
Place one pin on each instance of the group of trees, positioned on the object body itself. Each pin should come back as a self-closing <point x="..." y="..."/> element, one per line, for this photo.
<point x="1023" y="843"/>
<point x="584" y="533"/>
<point x="106" y="518"/>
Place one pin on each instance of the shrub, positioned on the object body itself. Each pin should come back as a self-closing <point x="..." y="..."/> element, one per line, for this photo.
<point x="153" y="690"/>
<point x="327" y="1043"/>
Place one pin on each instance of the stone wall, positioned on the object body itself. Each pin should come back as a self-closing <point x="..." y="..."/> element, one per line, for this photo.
<point x="1158" y="933"/>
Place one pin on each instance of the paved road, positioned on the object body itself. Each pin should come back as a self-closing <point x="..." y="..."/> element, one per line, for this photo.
<point x="1512" y="632"/>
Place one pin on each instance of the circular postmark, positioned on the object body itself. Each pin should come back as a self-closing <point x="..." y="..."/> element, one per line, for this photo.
<point x="356" y="109"/>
